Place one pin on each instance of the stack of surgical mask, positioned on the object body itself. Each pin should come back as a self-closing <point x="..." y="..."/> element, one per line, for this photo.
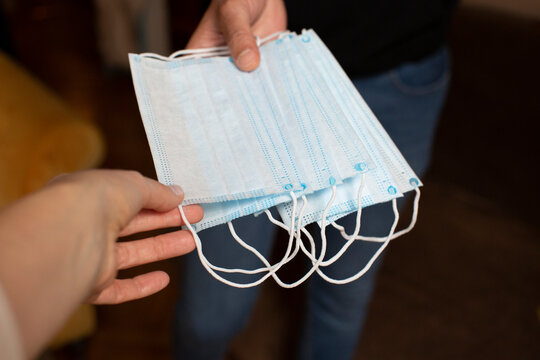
<point x="295" y="133"/>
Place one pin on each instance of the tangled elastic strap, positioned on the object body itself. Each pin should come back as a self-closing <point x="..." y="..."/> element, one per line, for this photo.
<point x="295" y="236"/>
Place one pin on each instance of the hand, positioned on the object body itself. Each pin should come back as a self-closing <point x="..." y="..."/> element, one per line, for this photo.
<point x="133" y="204"/>
<point x="58" y="246"/>
<point x="236" y="22"/>
<point x="149" y="206"/>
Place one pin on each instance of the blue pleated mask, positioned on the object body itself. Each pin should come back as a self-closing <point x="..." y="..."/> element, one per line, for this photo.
<point x="293" y="133"/>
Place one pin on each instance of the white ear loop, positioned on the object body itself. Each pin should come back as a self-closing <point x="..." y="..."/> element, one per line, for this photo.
<point x="299" y="226"/>
<point x="286" y="228"/>
<point x="383" y="239"/>
<point x="373" y="258"/>
<point x="356" y="230"/>
<point x="283" y="261"/>
<point x="210" y="267"/>
<point x="315" y="262"/>
<point x="211" y="51"/>
<point x="348" y="243"/>
<point x="273" y="268"/>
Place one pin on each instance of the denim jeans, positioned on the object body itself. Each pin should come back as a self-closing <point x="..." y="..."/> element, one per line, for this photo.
<point x="407" y="101"/>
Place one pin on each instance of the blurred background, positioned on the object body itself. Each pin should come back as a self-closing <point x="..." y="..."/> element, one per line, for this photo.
<point x="465" y="284"/>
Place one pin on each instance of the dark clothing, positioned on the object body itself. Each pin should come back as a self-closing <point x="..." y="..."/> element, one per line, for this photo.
<point x="372" y="36"/>
<point x="5" y="39"/>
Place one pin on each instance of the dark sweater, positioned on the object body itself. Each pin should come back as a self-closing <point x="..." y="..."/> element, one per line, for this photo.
<point x="370" y="36"/>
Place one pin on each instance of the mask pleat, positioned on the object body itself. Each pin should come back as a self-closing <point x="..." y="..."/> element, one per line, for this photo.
<point x="194" y="103"/>
<point x="251" y="158"/>
<point x="214" y="119"/>
<point x="344" y="135"/>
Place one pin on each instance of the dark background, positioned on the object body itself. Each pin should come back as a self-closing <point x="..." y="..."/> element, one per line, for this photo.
<point x="465" y="284"/>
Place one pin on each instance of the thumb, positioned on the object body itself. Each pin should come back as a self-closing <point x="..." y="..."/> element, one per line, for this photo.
<point x="236" y="27"/>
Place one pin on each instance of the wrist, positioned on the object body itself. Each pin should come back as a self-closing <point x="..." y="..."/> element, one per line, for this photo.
<point x="37" y="232"/>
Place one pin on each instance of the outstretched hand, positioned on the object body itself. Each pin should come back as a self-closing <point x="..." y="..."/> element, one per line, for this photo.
<point x="58" y="246"/>
<point x="159" y="209"/>
<point x="236" y="23"/>
<point x="138" y="252"/>
<point x="134" y="204"/>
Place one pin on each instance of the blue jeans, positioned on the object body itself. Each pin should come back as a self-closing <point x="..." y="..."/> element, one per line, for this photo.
<point x="407" y="101"/>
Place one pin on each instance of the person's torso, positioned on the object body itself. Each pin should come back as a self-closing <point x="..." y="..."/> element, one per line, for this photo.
<point x="368" y="37"/>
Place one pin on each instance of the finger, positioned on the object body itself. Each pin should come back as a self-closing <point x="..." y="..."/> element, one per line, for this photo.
<point x="235" y="22"/>
<point x="137" y="192"/>
<point x="155" y="248"/>
<point x="131" y="190"/>
<point x="122" y="290"/>
<point x="149" y="219"/>
<point x="207" y="33"/>
<point x="159" y="197"/>
<point x="205" y="37"/>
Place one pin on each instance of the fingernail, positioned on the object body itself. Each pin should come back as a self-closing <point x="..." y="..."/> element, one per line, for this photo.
<point x="246" y="60"/>
<point x="177" y="190"/>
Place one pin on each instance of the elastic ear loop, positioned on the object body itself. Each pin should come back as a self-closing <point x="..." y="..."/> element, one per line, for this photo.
<point x="349" y="243"/>
<point x="288" y="229"/>
<point x="210" y="268"/>
<point x="335" y="257"/>
<point x="373" y="258"/>
<point x="299" y="242"/>
<point x="211" y="51"/>
<point x="283" y="261"/>
<point x="382" y="239"/>
<point x="317" y="263"/>
<point x="287" y="258"/>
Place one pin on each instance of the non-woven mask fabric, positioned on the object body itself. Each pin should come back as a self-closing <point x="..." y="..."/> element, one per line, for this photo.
<point x="360" y="115"/>
<point x="189" y="140"/>
<point x="294" y="133"/>
<point x="206" y="93"/>
<point x="316" y="107"/>
<point x="391" y="176"/>
<point x="218" y="213"/>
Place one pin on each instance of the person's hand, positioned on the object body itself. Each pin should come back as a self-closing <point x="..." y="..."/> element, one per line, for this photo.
<point x="58" y="246"/>
<point x="236" y="23"/>
<point x="134" y="204"/>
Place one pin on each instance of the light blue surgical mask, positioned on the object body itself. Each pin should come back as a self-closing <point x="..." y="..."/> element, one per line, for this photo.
<point x="391" y="176"/>
<point x="294" y="133"/>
